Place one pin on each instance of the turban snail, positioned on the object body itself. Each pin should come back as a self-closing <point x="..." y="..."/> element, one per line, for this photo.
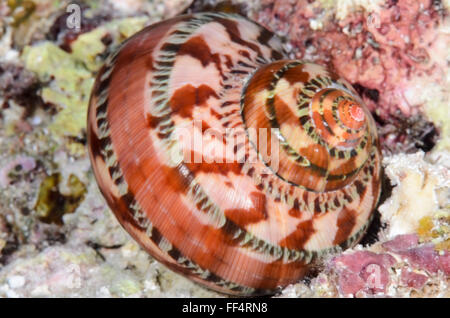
<point x="228" y="162"/>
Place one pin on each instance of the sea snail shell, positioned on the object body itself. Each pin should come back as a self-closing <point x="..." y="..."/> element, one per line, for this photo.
<point x="238" y="226"/>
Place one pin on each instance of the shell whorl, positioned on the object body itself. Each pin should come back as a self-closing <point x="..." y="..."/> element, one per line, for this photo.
<point x="224" y="215"/>
<point x="321" y="123"/>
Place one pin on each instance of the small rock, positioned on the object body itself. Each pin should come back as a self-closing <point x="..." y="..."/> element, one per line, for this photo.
<point x="401" y="242"/>
<point x="16" y="281"/>
<point x="412" y="279"/>
<point x="423" y="257"/>
<point x="41" y="291"/>
<point x="363" y="272"/>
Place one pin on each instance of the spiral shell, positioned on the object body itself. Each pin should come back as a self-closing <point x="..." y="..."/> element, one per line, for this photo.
<point x="238" y="215"/>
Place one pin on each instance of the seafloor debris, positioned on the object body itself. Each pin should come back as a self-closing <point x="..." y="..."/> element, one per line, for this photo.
<point x="355" y="272"/>
<point x="403" y="260"/>
<point x="20" y="10"/>
<point x="422" y="190"/>
<point x="53" y="203"/>
<point x="401" y="267"/>
<point x="15" y="168"/>
<point x="19" y="84"/>
<point x="406" y="135"/>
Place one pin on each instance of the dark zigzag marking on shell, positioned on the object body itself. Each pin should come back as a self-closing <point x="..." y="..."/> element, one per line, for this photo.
<point x="358" y="148"/>
<point x="307" y="200"/>
<point x="334" y="199"/>
<point x="167" y="57"/>
<point x="297" y="158"/>
<point x="310" y="200"/>
<point x="306" y="94"/>
<point x="232" y="119"/>
<point x="329" y="177"/>
<point x="322" y="117"/>
<point x="270" y="106"/>
<point x="302" y="161"/>
<point x="242" y="105"/>
<point x="275" y="55"/>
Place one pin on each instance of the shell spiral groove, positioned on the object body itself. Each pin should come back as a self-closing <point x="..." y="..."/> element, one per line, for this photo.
<point x="300" y="179"/>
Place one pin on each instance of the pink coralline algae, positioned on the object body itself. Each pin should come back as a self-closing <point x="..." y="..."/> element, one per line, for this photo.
<point x="381" y="53"/>
<point x="412" y="279"/>
<point x="363" y="271"/>
<point x="368" y="273"/>
<point x="24" y="163"/>
<point x="423" y="256"/>
<point x="401" y="242"/>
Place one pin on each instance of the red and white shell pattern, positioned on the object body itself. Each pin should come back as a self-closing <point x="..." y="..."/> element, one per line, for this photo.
<point x="233" y="224"/>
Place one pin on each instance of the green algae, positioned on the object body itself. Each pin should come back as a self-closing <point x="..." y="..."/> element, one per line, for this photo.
<point x="68" y="85"/>
<point x="89" y="46"/>
<point x="21" y="10"/>
<point x="68" y="78"/>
